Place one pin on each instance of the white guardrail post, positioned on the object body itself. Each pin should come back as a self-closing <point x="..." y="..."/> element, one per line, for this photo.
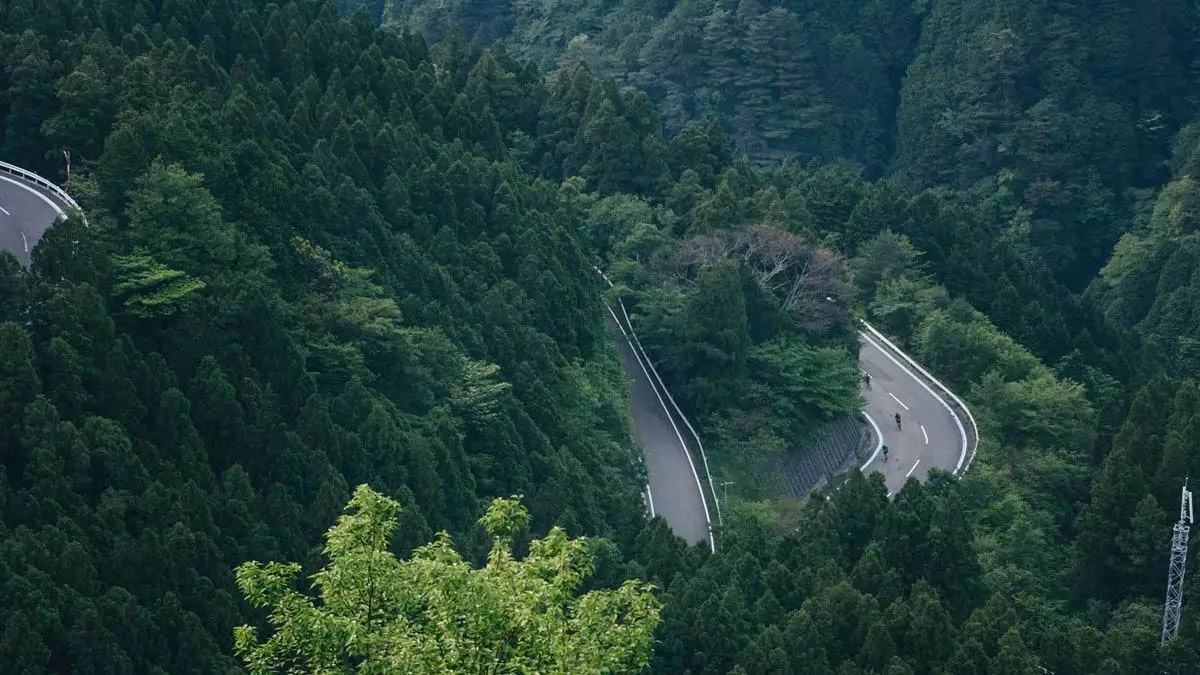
<point x="32" y="177"/>
<point x="954" y="397"/>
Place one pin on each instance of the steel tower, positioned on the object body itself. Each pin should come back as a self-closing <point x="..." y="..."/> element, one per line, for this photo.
<point x="1179" y="547"/>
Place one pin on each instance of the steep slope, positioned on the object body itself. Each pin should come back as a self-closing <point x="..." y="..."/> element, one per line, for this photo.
<point x="311" y="263"/>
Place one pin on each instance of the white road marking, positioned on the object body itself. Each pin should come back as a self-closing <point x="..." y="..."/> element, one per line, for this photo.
<point x="650" y="496"/>
<point x="878" y="443"/>
<point x="26" y="241"/>
<point x="914" y="468"/>
<point x="897" y="400"/>
<point x="56" y="207"/>
<point x="925" y="434"/>
<point x="5" y="211"/>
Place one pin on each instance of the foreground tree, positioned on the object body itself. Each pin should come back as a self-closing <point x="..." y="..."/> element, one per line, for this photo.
<point x="435" y="614"/>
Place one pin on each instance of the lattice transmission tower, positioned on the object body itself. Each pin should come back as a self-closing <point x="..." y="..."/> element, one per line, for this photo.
<point x="1179" y="547"/>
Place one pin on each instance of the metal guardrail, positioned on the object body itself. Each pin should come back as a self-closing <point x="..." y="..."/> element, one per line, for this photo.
<point x="925" y="373"/>
<point x="43" y="183"/>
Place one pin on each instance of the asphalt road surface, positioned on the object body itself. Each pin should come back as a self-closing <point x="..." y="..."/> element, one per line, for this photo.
<point x="26" y="211"/>
<point x="930" y="435"/>
<point x="674" y="489"/>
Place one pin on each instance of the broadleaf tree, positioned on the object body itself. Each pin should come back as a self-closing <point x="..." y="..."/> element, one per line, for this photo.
<point x="435" y="613"/>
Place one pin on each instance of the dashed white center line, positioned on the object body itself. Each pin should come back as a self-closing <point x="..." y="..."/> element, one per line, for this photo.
<point x="914" y="468"/>
<point x="925" y="434"/>
<point x="897" y="400"/>
<point x="5" y="211"/>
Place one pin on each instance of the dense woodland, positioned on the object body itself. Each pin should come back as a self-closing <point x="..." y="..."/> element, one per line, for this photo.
<point x="320" y="254"/>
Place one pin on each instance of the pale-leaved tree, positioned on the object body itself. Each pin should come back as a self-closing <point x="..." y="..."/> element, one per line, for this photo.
<point x="434" y="613"/>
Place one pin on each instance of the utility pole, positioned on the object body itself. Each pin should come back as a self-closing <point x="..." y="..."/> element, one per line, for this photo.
<point x="1179" y="547"/>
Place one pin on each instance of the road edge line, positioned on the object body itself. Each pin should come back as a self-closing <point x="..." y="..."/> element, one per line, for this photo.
<point x="878" y="444"/>
<point x="58" y="209"/>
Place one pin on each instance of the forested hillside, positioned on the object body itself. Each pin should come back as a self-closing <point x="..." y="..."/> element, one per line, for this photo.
<point x="1045" y="115"/>
<point x="311" y="263"/>
<point x="320" y="254"/>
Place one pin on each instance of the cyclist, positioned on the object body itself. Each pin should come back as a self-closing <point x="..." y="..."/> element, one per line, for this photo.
<point x="867" y="379"/>
<point x="885" y="453"/>
<point x="897" y="421"/>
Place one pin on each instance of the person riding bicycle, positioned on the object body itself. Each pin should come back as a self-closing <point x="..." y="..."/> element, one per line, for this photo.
<point x="885" y="449"/>
<point x="897" y="420"/>
<point x="867" y="379"/>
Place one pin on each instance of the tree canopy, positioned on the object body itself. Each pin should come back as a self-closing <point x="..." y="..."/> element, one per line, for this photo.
<point x="433" y="613"/>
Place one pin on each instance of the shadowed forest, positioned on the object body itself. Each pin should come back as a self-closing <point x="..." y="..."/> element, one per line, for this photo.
<point x="341" y="243"/>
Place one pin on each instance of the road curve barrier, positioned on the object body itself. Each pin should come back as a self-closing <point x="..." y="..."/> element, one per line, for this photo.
<point x="31" y="177"/>
<point x="946" y="390"/>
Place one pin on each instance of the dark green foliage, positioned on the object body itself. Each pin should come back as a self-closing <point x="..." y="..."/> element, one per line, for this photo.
<point x="786" y="79"/>
<point x="321" y="254"/>
<point x="746" y="324"/>
<point x="312" y="262"/>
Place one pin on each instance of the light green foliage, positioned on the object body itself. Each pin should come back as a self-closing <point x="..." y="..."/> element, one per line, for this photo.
<point x="434" y="613"/>
<point x="965" y="348"/>
<point x="808" y="385"/>
<point x="1126" y="284"/>
<point x="899" y="304"/>
<point x="642" y="245"/>
<point x="149" y="288"/>
<point x="1150" y="281"/>
<point x="885" y="257"/>
<point x="172" y="215"/>
<point x="348" y="316"/>
<point x="1042" y="411"/>
<point x="478" y="393"/>
<point x="1177" y="210"/>
<point x="614" y="219"/>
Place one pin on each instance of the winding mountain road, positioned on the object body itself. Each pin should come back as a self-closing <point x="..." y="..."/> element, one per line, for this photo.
<point x="935" y="432"/>
<point x="27" y="210"/>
